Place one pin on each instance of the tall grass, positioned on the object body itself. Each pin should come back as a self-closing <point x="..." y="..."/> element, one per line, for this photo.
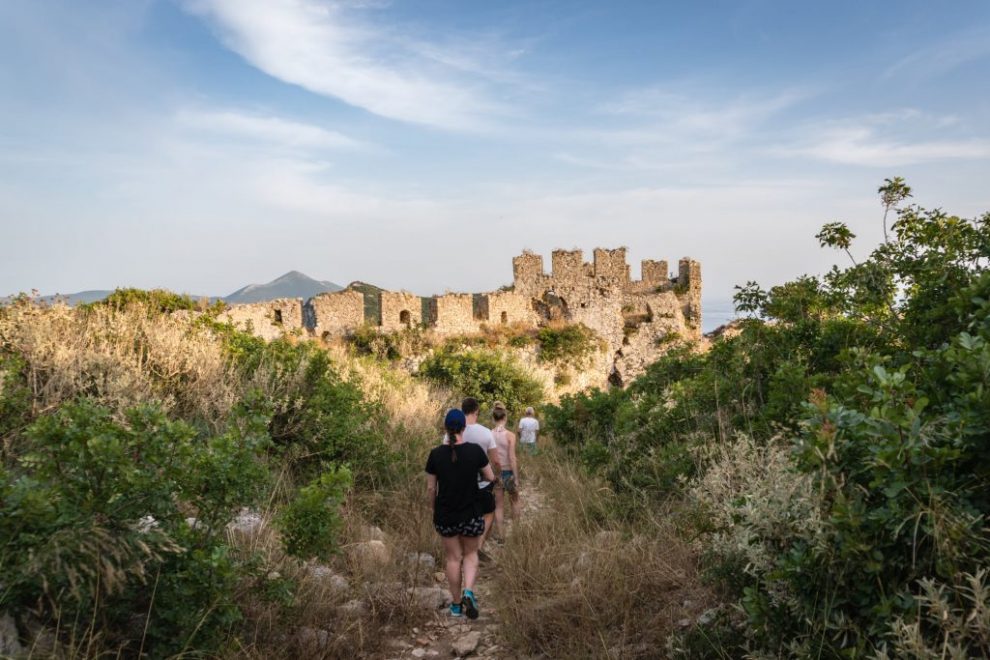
<point x="574" y="580"/>
<point x="119" y="357"/>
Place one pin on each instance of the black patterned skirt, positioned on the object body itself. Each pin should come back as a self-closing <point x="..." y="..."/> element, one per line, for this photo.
<point x="472" y="527"/>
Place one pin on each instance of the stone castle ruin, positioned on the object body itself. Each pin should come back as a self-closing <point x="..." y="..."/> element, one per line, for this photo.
<point x="634" y="317"/>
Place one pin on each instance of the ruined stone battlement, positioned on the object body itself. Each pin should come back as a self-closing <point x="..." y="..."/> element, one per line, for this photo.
<point x="633" y="316"/>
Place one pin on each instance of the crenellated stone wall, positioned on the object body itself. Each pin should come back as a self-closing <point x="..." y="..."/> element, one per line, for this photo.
<point x="636" y="318"/>
<point x="509" y="307"/>
<point x="400" y="309"/>
<point x="338" y="313"/>
<point x="453" y="314"/>
<point x="268" y="320"/>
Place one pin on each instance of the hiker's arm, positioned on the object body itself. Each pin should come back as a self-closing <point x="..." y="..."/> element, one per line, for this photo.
<point x="493" y="461"/>
<point x="513" y="463"/>
<point x="431" y="490"/>
<point x="488" y="473"/>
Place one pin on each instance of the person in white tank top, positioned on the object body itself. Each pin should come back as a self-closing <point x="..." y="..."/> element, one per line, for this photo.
<point x="505" y="446"/>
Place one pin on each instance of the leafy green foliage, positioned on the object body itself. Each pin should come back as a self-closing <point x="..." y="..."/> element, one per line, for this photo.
<point x="486" y="375"/>
<point x="368" y="340"/>
<point x="570" y="343"/>
<point x="157" y="300"/>
<point x="317" y="417"/>
<point x="97" y="508"/>
<point x="311" y="522"/>
<point x="878" y="375"/>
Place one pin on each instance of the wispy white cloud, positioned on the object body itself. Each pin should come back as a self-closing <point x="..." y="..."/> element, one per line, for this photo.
<point x="327" y="50"/>
<point x="690" y="116"/>
<point x="944" y="56"/>
<point x="266" y="129"/>
<point x="895" y="138"/>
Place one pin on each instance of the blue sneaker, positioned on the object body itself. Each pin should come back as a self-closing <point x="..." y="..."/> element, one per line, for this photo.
<point x="456" y="609"/>
<point x="470" y="604"/>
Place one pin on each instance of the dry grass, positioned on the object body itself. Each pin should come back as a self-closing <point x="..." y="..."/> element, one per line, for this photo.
<point x="120" y="358"/>
<point x="574" y="582"/>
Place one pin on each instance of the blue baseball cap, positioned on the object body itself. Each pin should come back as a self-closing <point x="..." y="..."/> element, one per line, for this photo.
<point x="455" y="420"/>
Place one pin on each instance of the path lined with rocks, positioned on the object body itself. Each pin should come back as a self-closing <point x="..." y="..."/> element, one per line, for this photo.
<point x="451" y="637"/>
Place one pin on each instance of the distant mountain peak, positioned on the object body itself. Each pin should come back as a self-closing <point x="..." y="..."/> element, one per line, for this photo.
<point x="293" y="284"/>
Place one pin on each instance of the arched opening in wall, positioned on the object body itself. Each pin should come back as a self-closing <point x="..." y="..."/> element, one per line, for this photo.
<point x="615" y="378"/>
<point x="405" y="318"/>
<point x="505" y="317"/>
<point x="278" y="317"/>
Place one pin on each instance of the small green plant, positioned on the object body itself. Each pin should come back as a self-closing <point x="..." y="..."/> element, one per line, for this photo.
<point x="311" y="522"/>
<point x="570" y="343"/>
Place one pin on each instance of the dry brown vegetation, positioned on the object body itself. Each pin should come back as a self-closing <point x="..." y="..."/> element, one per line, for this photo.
<point x="572" y="579"/>
<point x="575" y="581"/>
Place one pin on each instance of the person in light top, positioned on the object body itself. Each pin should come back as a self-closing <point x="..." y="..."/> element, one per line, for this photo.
<point x="528" y="427"/>
<point x="505" y="445"/>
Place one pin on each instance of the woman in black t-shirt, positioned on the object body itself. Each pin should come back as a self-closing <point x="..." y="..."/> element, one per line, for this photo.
<point x="452" y="488"/>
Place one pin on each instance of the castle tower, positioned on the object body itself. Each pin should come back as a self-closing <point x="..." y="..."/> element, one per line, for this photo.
<point x="689" y="281"/>
<point x="655" y="274"/>
<point x="527" y="273"/>
<point x="611" y="266"/>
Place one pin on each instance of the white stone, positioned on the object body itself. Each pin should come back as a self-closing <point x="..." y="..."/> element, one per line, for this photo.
<point x="314" y="637"/>
<point x="430" y="597"/>
<point x="369" y="554"/>
<point x="328" y="580"/>
<point x="421" y="560"/>
<point x="247" y="522"/>
<point x="352" y="608"/>
<point x="466" y="644"/>
<point x="10" y="645"/>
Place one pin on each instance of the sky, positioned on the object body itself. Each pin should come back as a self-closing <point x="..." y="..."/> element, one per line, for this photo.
<point x="201" y="145"/>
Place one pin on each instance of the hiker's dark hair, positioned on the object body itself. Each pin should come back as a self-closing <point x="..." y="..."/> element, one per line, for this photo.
<point x="470" y="405"/>
<point x="498" y="414"/>
<point x="452" y="432"/>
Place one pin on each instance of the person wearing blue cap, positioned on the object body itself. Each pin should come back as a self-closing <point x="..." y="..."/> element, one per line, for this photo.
<point x="458" y="515"/>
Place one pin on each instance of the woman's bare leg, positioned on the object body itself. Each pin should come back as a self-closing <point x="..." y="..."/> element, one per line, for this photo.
<point x="469" y="550"/>
<point x="499" y="513"/>
<point x="453" y="556"/>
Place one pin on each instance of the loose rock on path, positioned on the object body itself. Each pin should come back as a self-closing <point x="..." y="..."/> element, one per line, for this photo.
<point x="459" y="637"/>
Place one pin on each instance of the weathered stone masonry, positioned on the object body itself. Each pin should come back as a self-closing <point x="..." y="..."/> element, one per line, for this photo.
<point x="635" y="317"/>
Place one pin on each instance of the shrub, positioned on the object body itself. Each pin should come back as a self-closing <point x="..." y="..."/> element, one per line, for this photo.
<point x="570" y="343"/>
<point x="317" y="416"/>
<point x="368" y="340"/>
<point x="157" y="301"/>
<point x="311" y="522"/>
<point x="485" y="375"/>
<point x="98" y="507"/>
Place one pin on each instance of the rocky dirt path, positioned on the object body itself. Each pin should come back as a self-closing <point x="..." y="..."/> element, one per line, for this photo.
<point x="448" y="637"/>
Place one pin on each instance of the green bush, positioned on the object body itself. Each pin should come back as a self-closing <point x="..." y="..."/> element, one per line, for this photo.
<point x="94" y="516"/>
<point x="317" y="416"/>
<point x="571" y="343"/>
<point x="368" y="340"/>
<point x="311" y="522"/>
<point x="870" y="388"/>
<point x="157" y="300"/>
<point x="486" y="375"/>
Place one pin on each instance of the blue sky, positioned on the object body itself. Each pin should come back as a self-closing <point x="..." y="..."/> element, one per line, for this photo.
<point x="201" y="145"/>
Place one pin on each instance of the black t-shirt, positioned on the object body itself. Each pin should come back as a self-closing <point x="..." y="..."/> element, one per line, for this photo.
<point x="458" y="498"/>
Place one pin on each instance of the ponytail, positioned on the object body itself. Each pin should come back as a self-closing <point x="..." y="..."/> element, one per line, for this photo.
<point x="451" y="441"/>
